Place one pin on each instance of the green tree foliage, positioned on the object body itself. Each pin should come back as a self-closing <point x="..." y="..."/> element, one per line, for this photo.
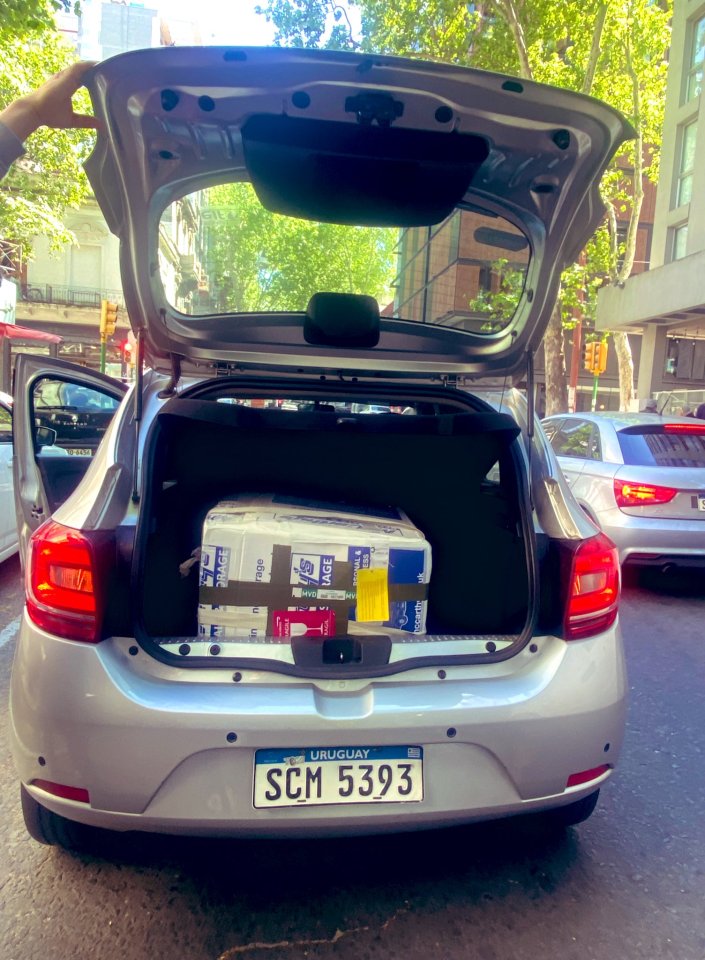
<point x="615" y="51"/>
<point x="25" y="16"/>
<point x="309" y="23"/>
<point x="612" y="50"/>
<point x="49" y="178"/>
<point x="501" y="302"/>
<point x="264" y="261"/>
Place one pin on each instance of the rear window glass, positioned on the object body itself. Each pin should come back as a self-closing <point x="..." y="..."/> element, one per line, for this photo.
<point x="662" y="449"/>
<point x="222" y="252"/>
<point x="318" y="406"/>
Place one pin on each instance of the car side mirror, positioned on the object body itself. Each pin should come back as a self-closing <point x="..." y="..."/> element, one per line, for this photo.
<point x="45" y="437"/>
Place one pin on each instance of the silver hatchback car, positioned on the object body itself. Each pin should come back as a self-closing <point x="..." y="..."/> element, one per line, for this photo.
<point x="130" y="711"/>
<point x="641" y="478"/>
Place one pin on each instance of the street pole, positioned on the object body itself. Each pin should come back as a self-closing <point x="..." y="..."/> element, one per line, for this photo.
<point x="593" y="405"/>
<point x="575" y="366"/>
<point x="103" y="340"/>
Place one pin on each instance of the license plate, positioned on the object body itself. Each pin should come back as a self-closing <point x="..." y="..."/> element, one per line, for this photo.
<point x="309" y="776"/>
<point x="701" y="503"/>
<point x="79" y="451"/>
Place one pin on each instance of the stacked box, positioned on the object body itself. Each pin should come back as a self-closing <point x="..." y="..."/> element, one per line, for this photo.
<point x="274" y="567"/>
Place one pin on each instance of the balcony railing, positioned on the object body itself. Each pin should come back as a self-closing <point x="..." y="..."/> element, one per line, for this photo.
<point x="67" y="296"/>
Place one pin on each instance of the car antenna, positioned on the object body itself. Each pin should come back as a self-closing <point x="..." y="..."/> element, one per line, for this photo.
<point x="660" y="412"/>
<point x="504" y="390"/>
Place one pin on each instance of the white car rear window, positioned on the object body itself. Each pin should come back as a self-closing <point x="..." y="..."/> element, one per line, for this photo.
<point x="663" y="449"/>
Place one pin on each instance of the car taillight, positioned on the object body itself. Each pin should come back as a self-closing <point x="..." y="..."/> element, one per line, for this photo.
<point x="630" y="494"/>
<point x="692" y="428"/>
<point x="65" y="581"/>
<point x="594" y="588"/>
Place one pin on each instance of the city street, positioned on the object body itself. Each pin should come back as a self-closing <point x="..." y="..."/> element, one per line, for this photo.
<point x="627" y="884"/>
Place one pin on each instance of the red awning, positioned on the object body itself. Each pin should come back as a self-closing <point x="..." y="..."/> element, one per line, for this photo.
<point x="13" y="332"/>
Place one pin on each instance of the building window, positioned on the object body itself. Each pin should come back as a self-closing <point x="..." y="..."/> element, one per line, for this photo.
<point x="485" y="279"/>
<point x="687" y="164"/>
<point x="680" y="242"/>
<point x="86" y="266"/>
<point x="697" y="60"/>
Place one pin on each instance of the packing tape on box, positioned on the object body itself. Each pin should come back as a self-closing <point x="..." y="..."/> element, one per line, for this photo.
<point x="340" y="595"/>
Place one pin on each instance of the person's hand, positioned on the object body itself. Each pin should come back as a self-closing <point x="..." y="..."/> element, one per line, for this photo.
<point x="49" y="105"/>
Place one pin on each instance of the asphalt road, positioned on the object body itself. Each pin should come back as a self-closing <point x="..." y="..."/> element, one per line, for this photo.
<point x="628" y="884"/>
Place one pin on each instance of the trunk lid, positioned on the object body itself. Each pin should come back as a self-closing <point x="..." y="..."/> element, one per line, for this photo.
<point x="343" y="138"/>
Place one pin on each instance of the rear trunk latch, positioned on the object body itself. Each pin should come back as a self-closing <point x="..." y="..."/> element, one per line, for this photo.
<point x="371" y="651"/>
<point x="379" y="108"/>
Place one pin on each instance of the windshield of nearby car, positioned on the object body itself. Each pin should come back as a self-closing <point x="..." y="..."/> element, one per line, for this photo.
<point x="662" y="449"/>
<point x="221" y="251"/>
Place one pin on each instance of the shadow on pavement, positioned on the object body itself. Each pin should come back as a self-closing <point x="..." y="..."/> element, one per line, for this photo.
<point x="522" y="851"/>
<point x="677" y="582"/>
<point x="10" y="571"/>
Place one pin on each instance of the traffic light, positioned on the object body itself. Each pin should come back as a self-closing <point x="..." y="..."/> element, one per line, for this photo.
<point x="595" y="357"/>
<point x="601" y="362"/>
<point x="127" y="352"/>
<point x="108" y="318"/>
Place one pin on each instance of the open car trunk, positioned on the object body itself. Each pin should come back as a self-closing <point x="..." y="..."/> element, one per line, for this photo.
<point x="459" y="476"/>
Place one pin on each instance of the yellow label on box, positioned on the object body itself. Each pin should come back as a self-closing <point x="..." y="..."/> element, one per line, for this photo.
<point x="372" y="595"/>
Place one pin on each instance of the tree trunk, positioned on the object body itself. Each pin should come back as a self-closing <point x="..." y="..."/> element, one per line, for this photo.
<point x="508" y="10"/>
<point x="554" y="356"/>
<point x="621" y="272"/>
<point x="625" y="365"/>
<point x="591" y="66"/>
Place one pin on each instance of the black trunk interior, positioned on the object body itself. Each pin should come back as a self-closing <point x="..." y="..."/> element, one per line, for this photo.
<point x="432" y="467"/>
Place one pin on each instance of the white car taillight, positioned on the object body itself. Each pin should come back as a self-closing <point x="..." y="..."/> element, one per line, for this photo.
<point x="630" y="494"/>
<point x="65" y="581"/>
<point x="594" y="588"/>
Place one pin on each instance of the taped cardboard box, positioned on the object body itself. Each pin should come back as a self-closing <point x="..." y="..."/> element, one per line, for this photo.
<point x="278" y="567"/>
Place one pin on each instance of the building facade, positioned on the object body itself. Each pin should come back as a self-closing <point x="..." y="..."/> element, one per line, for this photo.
<point x="62" y="293"/>
<point x="666" y="304"/>
<point x="447" y="272"/>
<point x="468" y="272"/>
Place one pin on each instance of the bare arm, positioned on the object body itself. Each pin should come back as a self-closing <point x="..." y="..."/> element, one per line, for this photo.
<point x="50" y="105"/>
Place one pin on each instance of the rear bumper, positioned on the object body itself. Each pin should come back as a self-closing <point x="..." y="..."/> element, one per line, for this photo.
<point x="686" y="561"/>
<point x="150" y="744"/>
<point x="218" y="814"/>
<point x="652" y="540"/>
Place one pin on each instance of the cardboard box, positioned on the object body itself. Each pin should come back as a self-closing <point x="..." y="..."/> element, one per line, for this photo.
<point x="275" y="567"/>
